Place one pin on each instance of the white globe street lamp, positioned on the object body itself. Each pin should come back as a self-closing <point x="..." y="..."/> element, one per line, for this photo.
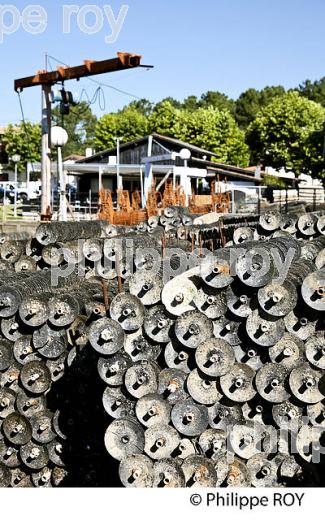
<point x="59" y="136"/>
<point x="15" y="158"/>
<point x="185" y="154"/>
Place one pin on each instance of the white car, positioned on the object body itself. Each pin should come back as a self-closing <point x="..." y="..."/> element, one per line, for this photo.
<point x="25" y="194"/>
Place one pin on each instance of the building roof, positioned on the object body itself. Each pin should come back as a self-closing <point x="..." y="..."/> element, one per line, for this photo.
<point x="205" y="157"/>
<point x="74" y="157"/>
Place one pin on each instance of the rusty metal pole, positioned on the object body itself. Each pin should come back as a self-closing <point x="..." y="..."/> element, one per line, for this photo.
<point x="105" y="294"/>
<point x="46" y="153"/>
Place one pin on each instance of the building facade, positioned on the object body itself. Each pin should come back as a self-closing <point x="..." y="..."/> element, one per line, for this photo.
<point x="156" y="158"/>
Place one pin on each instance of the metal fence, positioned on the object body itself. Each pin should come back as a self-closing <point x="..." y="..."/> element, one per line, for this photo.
<point x="84" y="206"/>
<point x="81" y="206"/>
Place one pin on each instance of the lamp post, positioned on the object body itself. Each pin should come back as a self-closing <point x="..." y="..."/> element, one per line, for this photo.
<point x="59" y="138"/>
<point x="15" y="159"/>
<point x="185" y="155"/>
<point x="118" y="176"/>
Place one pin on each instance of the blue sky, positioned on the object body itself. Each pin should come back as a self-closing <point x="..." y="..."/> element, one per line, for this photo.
<point x="225" y="45"/>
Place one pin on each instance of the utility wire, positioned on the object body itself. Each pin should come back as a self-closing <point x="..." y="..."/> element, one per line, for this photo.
<point x="98" y="95"/>
<point x="114" y="88"/>
<point x="25" y="129"/>
<point x="100" y="83"/>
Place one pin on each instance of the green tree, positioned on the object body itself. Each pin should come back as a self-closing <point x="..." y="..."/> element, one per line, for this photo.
<point x="268" y="94"/>
<point x="127" y="124"/>
<point x="80" y="125"/>
<point x="143" y="106"/>
<point x="247" y="106"/>
<point x="274" y="182"/>
<point x="287" y="133"/>
<point x="191" y="103"/>
<point x="251" y="101"/>
<point x="172" y="101"/>
<point x="166" y="119"/>
<point x="209" y="128"/>
<point x="315" y="91"/>
<point x="24" y="140"/>
<point x="216" y="130"/>
<point x="217" y="100"/>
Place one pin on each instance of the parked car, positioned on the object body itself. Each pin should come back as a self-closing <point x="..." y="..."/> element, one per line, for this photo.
<point x="24" y="194"/>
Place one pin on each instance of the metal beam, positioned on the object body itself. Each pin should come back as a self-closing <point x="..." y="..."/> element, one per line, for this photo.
<point x="232" y="175"/>
<point x="89" y="68"/>
<point x="164" y="180"/>
<point x="159" y="158"/>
